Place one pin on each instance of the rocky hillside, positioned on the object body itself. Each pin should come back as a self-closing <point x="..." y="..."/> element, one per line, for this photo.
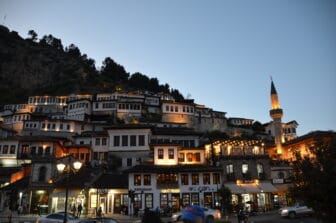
<point x="35" y="66"/>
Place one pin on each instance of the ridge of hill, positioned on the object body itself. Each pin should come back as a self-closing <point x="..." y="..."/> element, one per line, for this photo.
<point x="43" y="66"/>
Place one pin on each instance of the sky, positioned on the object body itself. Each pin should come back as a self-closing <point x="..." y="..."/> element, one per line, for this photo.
<point x="221" y="53"/>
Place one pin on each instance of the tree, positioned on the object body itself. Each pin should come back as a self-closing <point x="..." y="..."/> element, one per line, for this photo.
<point x="226" y="199"/>
<point x="314" y="178"/>
<point x="113" y="71"/>
<point x="33" y="35"/>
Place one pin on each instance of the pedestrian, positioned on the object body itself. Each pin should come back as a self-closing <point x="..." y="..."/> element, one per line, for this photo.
<point x="73" y="209"/>
<point x="99" y="212"/>
<point x="79" y="210"/>
<point x="9" y="215"/>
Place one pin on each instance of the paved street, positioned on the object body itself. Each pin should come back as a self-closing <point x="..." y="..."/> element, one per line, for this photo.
<point x="271" y="217"/>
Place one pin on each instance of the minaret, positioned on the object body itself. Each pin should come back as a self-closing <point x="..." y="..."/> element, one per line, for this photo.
<point x="276" y="114"/>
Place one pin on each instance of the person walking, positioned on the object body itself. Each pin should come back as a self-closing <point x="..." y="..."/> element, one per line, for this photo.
<point x="79" y="210"/>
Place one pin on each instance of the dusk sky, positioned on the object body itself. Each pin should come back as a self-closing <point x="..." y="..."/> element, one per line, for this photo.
<point x="220" y="53"/>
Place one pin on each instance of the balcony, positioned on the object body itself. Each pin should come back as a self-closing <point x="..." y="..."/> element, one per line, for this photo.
<point x="166" y="184"/>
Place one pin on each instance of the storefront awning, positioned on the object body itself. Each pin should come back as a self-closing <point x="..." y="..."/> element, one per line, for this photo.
<point x="246" y="188"/>
<point x="267" y="187"/>
<point x="250" y="188"/>
<point x="234" y="188"/>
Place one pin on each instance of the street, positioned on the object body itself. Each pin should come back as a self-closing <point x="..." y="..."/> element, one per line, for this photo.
<point x="275" y="218"/>
<point x="271" y="217"/>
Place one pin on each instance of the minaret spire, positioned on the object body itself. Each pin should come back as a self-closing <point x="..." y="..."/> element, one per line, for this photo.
<point x="276" y="114"/>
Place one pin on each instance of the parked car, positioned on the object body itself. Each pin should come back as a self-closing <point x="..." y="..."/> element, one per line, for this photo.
<point x="98" y="220"/>
<point x="58" y="218"/>
<point x="210" y="215"/>
<point x="297" y="210"/>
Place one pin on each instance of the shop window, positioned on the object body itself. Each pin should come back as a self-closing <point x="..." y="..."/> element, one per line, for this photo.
<point x="149" y="201"/>
<point x="137" y="180"/>
<point x="185" y="199"/>
<point x="195" y="198"/>
<point x="163" y="200"/>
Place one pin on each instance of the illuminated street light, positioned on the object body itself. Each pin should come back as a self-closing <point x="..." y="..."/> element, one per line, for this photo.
<point x="67" y="167"/>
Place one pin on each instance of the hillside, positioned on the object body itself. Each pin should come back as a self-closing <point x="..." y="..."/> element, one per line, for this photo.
<point x="43" y="66"/>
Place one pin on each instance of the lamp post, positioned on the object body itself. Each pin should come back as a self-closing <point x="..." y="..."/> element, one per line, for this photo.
<point x="67" y="167"/>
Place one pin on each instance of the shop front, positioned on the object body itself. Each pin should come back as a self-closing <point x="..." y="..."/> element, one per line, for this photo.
<point x="253" y="196"/>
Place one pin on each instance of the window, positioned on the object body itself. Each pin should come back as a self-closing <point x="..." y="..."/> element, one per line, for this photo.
<point x="229" y="168"/>
<point x="141" y="140"/>
<point x="244" y="168"/>
<point x="61" y="126"/>
<point x="206" y="178"/>
<point x="170" y="154"/>
<point x="189" y="157"/>
<point x="181" y="157"/>
<point x="68" y="127"/>
<point x="147" y="179"/>
<point x="195" y="179"/>
<point x="137" y="180"/>
<point x="185" y="199"/>
<point x="133" y="140"/>
<point x="12" y="149"/>
<point x="116" y="141"/>
<point x="195" y="198"/>
<point x="43" y="125"/>
<point x="149" y="201"/>
<point x="40" y="150"/>
<point x="160" y="153"/>
<point x="184" y="179"/>
<point x="97" y="141"/>
<point x="124" y="140"/>
<point x="33" y="150"/>
<point x="260" y="168"/>
<point x="42" y="174"/>
<point x="104" y="141"/>
<point x="53" y="126"/>
<point x="163" y="200"/>
<point x="129" y="161"/>
<point x="5" y="149"/>
<point x="216" y="178"/>
<point x="198" y="157"/>
<point x="47" y="150"/>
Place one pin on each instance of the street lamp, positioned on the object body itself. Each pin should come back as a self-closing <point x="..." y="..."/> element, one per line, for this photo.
<point x="67" y="167"/>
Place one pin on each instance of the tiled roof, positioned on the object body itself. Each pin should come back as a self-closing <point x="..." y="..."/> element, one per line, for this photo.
<point x="23" y="183"/>
<point x="172" y="168"/>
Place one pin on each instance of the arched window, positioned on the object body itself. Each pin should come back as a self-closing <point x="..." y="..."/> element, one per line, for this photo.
<point x="42" y="174"/>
